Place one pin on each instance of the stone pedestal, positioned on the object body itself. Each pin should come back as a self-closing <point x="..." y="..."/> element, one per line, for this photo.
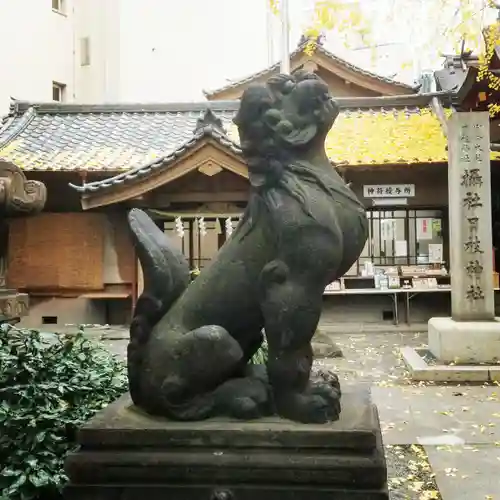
<point x="128" y="455"/>
<point x="465" y="342"/>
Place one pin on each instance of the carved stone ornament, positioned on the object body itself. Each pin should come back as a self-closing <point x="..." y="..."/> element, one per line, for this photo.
<point x="19" y="196"/>
<point x="14" y="305"/>
<point x="191" y="343"/>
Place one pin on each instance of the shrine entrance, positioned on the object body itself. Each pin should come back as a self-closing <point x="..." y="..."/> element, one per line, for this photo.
<point x="199" y="236"/>
<point x="197" y="200"/>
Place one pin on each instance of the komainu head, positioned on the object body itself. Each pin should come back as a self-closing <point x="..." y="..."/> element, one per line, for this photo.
<point x="281" y="119"/>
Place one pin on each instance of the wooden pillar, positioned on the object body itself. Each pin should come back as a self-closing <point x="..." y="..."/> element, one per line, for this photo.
<point x="221" y="237"/>
<point x="191" y="243"/>
<point x="135" y="294"/>
<point x="199" y="248"/>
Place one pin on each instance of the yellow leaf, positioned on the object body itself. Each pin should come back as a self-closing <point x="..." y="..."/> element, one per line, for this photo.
<point x="273" y="4"/>
<point x="430" y="495"/>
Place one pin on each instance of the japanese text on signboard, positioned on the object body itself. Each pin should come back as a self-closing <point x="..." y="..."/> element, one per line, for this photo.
<point x="389" y="190"/>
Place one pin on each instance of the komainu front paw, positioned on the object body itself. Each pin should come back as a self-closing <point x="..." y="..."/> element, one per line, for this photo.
<point x="318" y="405"/>
<point x="331" y="395"/>
<point x="321" y="375"/>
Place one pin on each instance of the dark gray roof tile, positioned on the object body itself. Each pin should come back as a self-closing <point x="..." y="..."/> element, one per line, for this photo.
<point x="77" y="137"/>
<point x="207" y="131"/>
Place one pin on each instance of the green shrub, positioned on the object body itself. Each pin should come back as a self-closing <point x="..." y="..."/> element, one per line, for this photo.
<point x="49" y="386"/>
<point x="260" y="357"/>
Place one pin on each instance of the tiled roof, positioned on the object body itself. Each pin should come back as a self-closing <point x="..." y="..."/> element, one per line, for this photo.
<point x="321" y="49"/>
<point x="206" y="132"/>
<point x="408" y="135"/>
<point x="382" y="136"/>
<point x="397" y="135"/>
<point x="55" y="136"/>
<point x="135" y="138"/>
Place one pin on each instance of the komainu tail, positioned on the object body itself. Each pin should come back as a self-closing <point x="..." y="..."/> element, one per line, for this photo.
<point x="166" y="276"/>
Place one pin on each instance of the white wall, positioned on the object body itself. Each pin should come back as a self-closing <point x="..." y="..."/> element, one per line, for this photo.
<point x="37" y="49"/>
<point x="41" y="46"/>
<point x="99" y="20"/>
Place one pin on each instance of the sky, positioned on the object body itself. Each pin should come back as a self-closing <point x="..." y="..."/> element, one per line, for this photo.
<point x="181" y="47"/>
<point x="189" y="45"/>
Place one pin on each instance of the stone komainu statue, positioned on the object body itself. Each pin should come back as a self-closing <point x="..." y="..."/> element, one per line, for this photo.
<point x="190" y="344"/>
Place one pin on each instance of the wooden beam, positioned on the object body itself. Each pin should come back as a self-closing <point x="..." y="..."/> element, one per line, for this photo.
<point x="122" y="290"/>
<point x="164" y="199"/>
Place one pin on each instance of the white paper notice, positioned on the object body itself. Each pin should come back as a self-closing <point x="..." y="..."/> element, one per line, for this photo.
<point x="424" y="229"/>
<point x="387" y="229"/>
<point x="401" y="248"/>
<point x="435" y="253"/>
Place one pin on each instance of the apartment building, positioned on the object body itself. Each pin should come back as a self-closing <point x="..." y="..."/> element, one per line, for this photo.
<point x="61" y="50"/>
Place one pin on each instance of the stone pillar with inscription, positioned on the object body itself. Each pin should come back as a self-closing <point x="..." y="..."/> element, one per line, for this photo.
<point x="472" y="334"/>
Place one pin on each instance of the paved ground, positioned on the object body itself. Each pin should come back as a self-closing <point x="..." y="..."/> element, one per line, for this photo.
<point x="458" y="426"/>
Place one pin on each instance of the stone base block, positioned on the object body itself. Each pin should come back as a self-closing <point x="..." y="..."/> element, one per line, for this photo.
<point x="434" y="371"/>
<point x="127" y="455"/>
<point x="464" y="342"/>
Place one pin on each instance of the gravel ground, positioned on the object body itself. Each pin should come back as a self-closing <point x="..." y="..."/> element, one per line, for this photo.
<point x="410" y="475"/>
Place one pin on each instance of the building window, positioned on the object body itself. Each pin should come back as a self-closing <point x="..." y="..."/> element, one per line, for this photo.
<point x="85" y="51"/>
<point x="404" y="237"/>
<point x="58" y="92"/>
<point x="59" y="6"/>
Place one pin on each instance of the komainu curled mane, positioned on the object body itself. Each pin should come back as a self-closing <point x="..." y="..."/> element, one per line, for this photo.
<point x="302" y="229"/>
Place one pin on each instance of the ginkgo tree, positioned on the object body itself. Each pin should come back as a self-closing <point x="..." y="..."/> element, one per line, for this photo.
<point x="443" y="25"/>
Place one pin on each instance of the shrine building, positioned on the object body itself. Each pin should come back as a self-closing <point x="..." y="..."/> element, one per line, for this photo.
<point x="182" y="163"/>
